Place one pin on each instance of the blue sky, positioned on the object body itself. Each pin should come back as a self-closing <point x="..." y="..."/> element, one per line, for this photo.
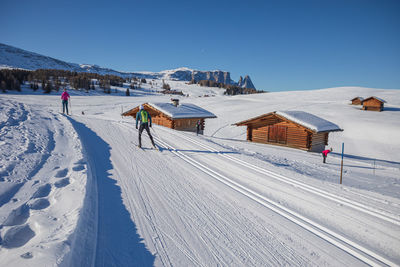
<point x="282" y="45"/>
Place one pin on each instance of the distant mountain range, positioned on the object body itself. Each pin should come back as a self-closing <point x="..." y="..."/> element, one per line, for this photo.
<point x="13" y="57"/>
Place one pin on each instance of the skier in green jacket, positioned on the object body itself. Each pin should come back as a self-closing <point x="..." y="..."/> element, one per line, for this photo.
<point x="145" y="121"/>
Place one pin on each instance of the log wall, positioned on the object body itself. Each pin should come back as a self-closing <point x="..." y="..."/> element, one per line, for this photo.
<point x="185" y="124"/>
<point x="373" y="104"/>
<point x="318" y="142"/>
<point x="296" y="136"/>
<point x="159" y="119"/>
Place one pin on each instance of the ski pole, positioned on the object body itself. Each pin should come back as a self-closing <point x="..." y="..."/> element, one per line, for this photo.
<point x="70" y="106"/>
<point x="157" y="135"/>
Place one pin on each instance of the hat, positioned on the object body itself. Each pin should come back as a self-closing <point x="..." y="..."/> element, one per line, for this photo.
<point x="140" y="107"/>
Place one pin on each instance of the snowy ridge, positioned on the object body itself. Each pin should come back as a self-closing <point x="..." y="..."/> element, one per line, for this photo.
<point x="309" y="120"/>
<point x="12" y="57"/>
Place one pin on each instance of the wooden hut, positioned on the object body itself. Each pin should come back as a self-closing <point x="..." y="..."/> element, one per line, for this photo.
<point x="357" y="100"/>
<point x="373" y="103"/>
<point x="295" y="129"/>
<point x="173" y="115"/>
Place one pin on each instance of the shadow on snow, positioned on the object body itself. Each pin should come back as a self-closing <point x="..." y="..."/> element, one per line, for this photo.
<point x="197" y="151"/>
<point x="381" y="162"/>
<point x="118" y="243"/>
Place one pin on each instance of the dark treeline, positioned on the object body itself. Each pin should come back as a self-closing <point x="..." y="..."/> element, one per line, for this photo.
<point x="52" y="79"/>
<point x="231" y="89"/>
<point x="12" y="79"/>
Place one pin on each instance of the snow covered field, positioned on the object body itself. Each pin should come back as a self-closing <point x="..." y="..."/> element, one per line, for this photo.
<point x="76" y="191"/>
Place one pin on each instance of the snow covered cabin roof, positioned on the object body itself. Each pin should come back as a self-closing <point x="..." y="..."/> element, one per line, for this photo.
<point x="309" y="121"/>
<point x="302" y="118"/>
<point x="377" y="98"/>
<point x="182" y="111"/>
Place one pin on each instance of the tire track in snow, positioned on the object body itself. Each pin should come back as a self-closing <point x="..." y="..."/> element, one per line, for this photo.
<point x="363" y="254"/>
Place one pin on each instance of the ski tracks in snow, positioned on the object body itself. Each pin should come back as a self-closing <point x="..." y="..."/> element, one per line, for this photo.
<point x="358" y="251"/>
<point x="182" y="221"/>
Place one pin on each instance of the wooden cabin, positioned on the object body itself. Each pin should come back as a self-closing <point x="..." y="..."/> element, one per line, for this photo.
<point x="295" y="129"/>
<point x="357" y="100"/>
<point x="373" y="103"/>
<point x="173" y="115"/>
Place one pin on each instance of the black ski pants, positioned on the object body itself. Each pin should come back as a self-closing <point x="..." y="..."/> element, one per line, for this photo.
<point x="65" y="105"/>
<point x="141" y="128"/>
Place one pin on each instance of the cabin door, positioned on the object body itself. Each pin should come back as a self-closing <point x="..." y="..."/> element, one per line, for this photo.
<point x="277" y="134"/>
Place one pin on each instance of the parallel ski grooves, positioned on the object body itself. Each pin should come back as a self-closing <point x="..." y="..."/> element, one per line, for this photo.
<point x="350" y="203"/>
<point x="350" y="247"/>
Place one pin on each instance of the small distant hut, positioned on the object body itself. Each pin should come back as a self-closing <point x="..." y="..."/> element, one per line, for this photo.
<point x="373" y="103"/>
<point x="173" y="115"/>
<point x="295" y="129"/>
<point x="357" y="100"/>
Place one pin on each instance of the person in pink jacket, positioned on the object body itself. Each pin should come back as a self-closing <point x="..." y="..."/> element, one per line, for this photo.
<point x="325" y="154"/>
<point x="64" y="97"/>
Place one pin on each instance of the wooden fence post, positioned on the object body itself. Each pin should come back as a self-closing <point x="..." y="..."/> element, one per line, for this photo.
<point x="341" y="165"/>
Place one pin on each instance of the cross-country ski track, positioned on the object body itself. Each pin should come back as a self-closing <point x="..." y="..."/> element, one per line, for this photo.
<point x="221" y="211"/>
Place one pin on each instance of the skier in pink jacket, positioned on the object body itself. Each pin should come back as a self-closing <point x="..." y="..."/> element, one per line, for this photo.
<point x="325" y="154"/>
<point x="65" y="96"/>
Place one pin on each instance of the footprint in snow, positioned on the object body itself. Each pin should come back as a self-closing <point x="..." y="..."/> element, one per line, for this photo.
<point x="42" y="191"/>
<point x="27" y="255"/>
<point x="62" y="173"/>
<point x="39" y="204"/>
<point x="78" y="168"/>
<point x="17" y="236"/>
<point x="62" y="183"/>
<point x="18" y="216"/>
<point x="80" y="162"/>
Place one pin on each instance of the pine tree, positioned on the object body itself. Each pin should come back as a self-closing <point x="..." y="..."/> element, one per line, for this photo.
<point x="3" y="86"/>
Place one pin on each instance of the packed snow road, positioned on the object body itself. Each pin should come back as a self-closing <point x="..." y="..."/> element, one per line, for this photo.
<point x="187" y="217"/>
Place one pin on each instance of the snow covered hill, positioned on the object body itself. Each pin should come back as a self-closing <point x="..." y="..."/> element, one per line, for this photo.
<point x="12" y="57"/>
<point x="76" y="190"/>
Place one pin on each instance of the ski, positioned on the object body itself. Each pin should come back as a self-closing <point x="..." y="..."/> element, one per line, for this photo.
<point x="155" y="147"/>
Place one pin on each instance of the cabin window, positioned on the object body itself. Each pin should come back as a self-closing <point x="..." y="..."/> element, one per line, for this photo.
<point x="277" y="134"/>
